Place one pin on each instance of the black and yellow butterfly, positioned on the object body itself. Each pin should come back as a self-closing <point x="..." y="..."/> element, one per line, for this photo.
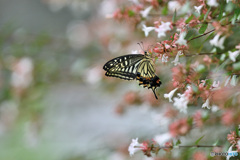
<point x="134" y="66"/>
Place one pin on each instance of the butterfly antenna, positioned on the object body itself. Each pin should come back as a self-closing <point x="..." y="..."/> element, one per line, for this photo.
<point x="154" y="93"/>
<point x="141" y="46"/>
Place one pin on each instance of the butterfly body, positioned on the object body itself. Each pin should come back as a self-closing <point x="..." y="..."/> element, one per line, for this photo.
<point x="134" y="66"/>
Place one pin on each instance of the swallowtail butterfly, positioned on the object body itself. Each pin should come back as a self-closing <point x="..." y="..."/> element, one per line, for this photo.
<point x="134" y="66"/>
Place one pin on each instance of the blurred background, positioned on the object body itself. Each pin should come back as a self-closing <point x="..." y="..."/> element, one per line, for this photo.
<point x="55" y="102"/>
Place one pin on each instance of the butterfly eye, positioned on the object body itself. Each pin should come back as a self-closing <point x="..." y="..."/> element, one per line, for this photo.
<point x="145" y="52"/>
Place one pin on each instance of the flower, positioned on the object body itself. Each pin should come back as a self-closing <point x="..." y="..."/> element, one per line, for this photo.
<point x="179" y="127"/>
<point x="22" y="73"/>
<point x="216" y="84"/>
<point x="164" y="58"/>
<point x="238" y="145"/>
<point x="181" y="40"/>
<point x="233" y="80"/>
<point x="134" y="1"/>
<point x="212" y="3"/>
<point x="174" y="5"/>
<point x="233" y="55"/>
<point x="145" y="12"/>
<point x="228" y="1"/>
<point x="197" y="118"/>
<point x="176" y="60"/>
<point x="198" y="8"/>
<point x="134" y="147"/>
<point x="206" y="104"/>
<point x="147" y="29"/>
<point x="163" y="138"/>
<point x="164" y="27"/>
<point x="170" y="95"/>
<point x="227" y="81"/>
<point x="218" y="42"/>
<point x="232" y="137"/>
<point x="181" y="103"/>
<point x="199" y="156"/>
<point x="231" y="153"/>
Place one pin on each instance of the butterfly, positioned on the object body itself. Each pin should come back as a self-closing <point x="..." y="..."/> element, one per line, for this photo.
<point x="134" y="66"/>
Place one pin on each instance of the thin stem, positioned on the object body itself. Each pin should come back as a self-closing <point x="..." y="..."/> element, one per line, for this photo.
<point x="201" y="35"/>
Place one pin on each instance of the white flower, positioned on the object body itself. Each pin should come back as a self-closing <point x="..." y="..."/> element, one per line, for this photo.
<point x="164" y="27"/>
<point x="206" y="104"/>
<point x="227" y="81"/>
<point x="181" y="40"/>
<point x="218" y="42"/>
<point x="147" y="29"/>
<point x="162" y="138"/>
<point x="181" y="103"/>
<point x="164" y="58"/>
<point x="22" y="73"/>
<point x="170" y="95"/>
<point x="174" y="5"/>
<point x="228" y="1"/>
<point x="212" y="3"/>
<point x="134" y="52"/>
<point x="215" y="108"/>
<point x="145" y="12"/>
<point x="198" y="8"/>
<point x="176" y="60"/>
<point x="93" y="75"/>
<point x="216" y="84"/>
<point x="231" y="153"/>
<point x="233" y="55"/>
<point x="134" y="147"/>
<point x="134" y="1"/>
<point x="233" y="80"/>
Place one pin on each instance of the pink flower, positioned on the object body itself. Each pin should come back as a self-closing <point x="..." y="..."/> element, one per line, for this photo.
<point x="232" y="137"/>
<point x="199" y="156"/>
<point x="179" y="128"/>
<point x="228" y="118"/>
<point x="197" y="118"/>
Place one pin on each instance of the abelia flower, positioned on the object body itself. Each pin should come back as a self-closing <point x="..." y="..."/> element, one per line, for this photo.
<point x="163" y="28"/>
<point x="181" y="103"/>
<point x="164" y="58"/>
<point x="176" y="60"/>
<point x="232" y="137"/>
<point x="198" y="8"/>
<point x="212" y="3"/>
<point x="218" y="42"/>
<point x="206" y="104"/>
<point x="174" y="5"/>
<point x="146" y="29"/>
<point x="231" y="153"/>
<point x="233" y="55"/>
<point x="179" y="127"/>
<point x="145" y="12"/>
<point x="163" y="138"/>
<point x="135" y="147"/>
<point x="170" y="95"/>
<point x="181" y="40"/>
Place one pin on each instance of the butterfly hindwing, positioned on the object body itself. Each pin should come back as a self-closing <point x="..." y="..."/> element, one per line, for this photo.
<point x="123" y="67"/>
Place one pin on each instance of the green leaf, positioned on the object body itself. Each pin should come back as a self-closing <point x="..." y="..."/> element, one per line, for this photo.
<point x="203" y="28"/>
<point x="236" y="66"/>
<point x="131" y="13"/>
<point x="237" y="131"/>
<point x="194" y="88"/>
<point x="209" y="37"/>
<point x="199" y="139"/>
<point x="174" y="16"/>
<point x="216" y="143"/>
<point x="165" y="10"/>
<point x="221" y="11"/>
<point x="201" y="17"/>
<point x="205" y="17"/>
<point x="189" y="19"/>
<point x="178" y="142"/>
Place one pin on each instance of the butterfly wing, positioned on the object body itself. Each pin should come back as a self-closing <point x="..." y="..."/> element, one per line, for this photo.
<point x="124" y="67"/>
<point x="146" y="75"/>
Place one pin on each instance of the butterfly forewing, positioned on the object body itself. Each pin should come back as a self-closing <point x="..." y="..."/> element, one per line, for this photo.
<point x="123" y="67"/>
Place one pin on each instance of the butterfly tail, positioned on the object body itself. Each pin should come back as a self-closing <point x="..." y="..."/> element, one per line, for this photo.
<point x="154" y="93"/>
